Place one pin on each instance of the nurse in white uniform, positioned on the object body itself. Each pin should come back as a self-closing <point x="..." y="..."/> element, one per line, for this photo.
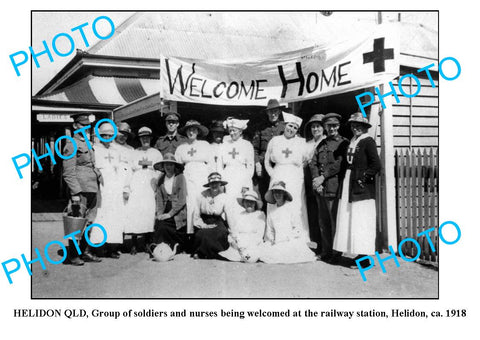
<point x="284" y="161"/>
<point x="198" y="158"/>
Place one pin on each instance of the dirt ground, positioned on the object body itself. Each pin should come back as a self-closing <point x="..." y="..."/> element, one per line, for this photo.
<point x="139" y="277"/>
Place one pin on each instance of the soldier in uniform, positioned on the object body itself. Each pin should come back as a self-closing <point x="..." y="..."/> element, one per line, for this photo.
<point x="168" y="143"/>
<point x="81" y="177"/>
<point x="327" y="167"/>
<point x="260" y="142"/>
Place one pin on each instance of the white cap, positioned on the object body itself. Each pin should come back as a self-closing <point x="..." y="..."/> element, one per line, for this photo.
<point x="236" y="123"/>
<point x="144" y="131"/>
<point x="290" y="118"/>
<point x="106" y="129"/>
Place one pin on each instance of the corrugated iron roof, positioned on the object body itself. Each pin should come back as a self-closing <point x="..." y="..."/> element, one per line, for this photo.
<point x="247" y="35"/>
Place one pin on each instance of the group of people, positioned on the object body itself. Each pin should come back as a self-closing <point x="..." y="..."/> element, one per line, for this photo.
<point x="279" y="198"/>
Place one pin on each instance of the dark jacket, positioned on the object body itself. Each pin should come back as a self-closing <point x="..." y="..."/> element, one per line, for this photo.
<point x="261" y="139"/>
<point x="366" y="164"/>
<point x="328" y="160"/>
<point x="178" y="199"/>
<point x="165" y="144"/>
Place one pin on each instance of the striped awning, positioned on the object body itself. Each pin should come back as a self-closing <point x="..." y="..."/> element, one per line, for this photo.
<point x="104" y="90"/>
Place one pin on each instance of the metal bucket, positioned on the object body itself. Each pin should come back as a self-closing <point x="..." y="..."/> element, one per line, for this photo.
<point x="72" y="224"/>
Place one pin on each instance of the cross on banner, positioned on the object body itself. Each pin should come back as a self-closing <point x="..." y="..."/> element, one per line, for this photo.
<point x="378" y="55"/>
<point x="287" y="152"/>
<point x="191" y="152"/>
<point x="233" y="153"/>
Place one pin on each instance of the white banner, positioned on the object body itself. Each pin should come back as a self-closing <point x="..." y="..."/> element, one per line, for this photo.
<point x="313" y="72"/>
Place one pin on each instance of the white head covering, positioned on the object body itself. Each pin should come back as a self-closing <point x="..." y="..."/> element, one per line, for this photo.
<point x="236" y="123"/>
<point x="289" y="118"/>
<point x="106" y="129"/>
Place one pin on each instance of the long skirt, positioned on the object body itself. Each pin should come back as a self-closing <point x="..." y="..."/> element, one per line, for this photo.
<point x="110" y="211"/>
<point x="356" y="224"/>
<point x="141" y="203"/>
<point x="292" y="175"/>
<point x="292" y="251"/>
<point x="166" y="231"/>
<point x="312" y="210"/>
<point x="237" y="178"/>
<point x="196" y="175"/>
<point x="209" y="242"/>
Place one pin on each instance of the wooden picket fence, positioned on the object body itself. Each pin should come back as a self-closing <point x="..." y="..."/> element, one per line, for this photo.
<point x="416" y="173"/>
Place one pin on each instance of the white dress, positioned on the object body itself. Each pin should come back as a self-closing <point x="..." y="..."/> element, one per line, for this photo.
<point x="141" y="204"/>
<point x="110" y="206"/>
<point x="289" y="156"/>
<point x="246" y="237"/>
<point x="236" y="163"/>
<point x="216" y="156"/>
<point x="356" y="221"/>
<point x="198" y="160"/>
<point x="284" y="238"/>
<point x="126" y="153"/>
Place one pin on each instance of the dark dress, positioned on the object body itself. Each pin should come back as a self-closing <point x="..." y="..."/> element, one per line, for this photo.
<point x="208" y="242"/>
<point x="174" y="229"/>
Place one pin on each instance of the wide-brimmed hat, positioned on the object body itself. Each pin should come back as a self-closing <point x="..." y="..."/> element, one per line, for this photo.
<point x="213" y="178"/>
<point x="316" y="118"/>
<point x="144" y="131"/>
<point x="358" y="117"/>
<point x="250" y="195"/>
<point x="331" y="118"/>
<point x="274" y="104"/>
<point x="280" y="185"/>
<point x="217" y="126"/>
<point x="168" y="158"/>
<point x="202" y="130"/>
<point x="125" y="128"/>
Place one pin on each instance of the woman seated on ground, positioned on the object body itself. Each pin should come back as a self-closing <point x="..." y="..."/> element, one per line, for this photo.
<point x="171" y="197"/>
<point x="246" y="234"/>
<point x="285" y="239"/>
<point x="211" y="231"/>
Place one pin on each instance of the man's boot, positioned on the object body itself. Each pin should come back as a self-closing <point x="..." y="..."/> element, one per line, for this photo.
<point x="89" y="256"/>
<point x="73" y="257"/>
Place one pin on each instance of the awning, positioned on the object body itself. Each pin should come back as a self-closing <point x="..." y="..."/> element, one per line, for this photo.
<point x="104" y="90"/>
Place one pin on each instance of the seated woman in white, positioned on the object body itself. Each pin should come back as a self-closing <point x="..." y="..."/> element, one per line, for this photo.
<point x="246" y="234"/>
<point x="285" y="239"/>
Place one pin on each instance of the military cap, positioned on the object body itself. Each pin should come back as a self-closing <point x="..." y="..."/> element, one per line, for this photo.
<point x="81" y="118"/>
<point x="333" y="118"/>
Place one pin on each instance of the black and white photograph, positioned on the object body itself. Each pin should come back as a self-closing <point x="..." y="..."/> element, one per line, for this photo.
<point x="237" y="154"/>
<point x="249" y="170"/>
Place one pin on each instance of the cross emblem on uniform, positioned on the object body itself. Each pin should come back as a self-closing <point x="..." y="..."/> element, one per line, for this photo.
<point x="192" y="152"/>
<point x="144" y="162"/>
<point x="109" y="158"/>
<point x="350" y="155"/>
<point x="378" y="55"/>
<point x="233" y="153"/>
<point x="287" y="152"/>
